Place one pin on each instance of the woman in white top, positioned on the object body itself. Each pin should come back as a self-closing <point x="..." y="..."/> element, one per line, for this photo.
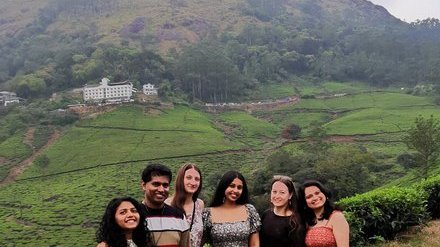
<point x="187" y="189"/>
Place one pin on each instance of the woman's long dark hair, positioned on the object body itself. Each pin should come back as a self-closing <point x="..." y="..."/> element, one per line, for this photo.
<point x="111" y="233"/>
<point x="223" y="184"/>
<point x="180" y="193"/>
<point x="329" y="205"/>
<point x="297" y="230"/>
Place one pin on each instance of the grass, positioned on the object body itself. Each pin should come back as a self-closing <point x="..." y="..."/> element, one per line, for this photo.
<point x="365" y="100"/>
<point x="41" y="136"/>
<point x="365" y="113"/>
<point x="14" y="148"/>
<point x="333" y="87"/>
<point x="274" y="91"/>
<point x="428" y="236"/>
<point x="178" y="132"/>
<point x="378" y="120"/>
<point x="283" y="117"/>
<point x="249" y="129"/>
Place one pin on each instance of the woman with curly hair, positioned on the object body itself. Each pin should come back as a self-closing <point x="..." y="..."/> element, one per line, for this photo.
<point x="122" y="224"/>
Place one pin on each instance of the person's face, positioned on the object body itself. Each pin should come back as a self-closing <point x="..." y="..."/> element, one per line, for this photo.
<point x="127" y="216"/>
<point x="279" y="195"/>
<point x="156" y="190"/>
<point x="191" y="181"/>
<point x="234" y="190"/>
<point x="315" y="199"/>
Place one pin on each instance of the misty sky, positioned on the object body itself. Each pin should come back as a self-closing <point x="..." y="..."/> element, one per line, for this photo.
<point x="410" y="10"/>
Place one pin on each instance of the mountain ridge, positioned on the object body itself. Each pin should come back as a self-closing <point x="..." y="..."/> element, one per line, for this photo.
<point x="187" y="19"/>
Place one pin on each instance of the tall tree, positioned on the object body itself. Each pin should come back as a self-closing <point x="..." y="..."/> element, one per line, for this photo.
<point x="206" y="73"/>
<point x="424" y="138"/>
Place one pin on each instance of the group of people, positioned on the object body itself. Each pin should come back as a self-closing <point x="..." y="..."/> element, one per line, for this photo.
<point x="304" y="216"/>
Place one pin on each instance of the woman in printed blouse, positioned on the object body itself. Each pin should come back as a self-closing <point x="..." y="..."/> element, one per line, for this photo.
<point x="282" y="225"/>
<point x="187" y="189"/>
<point x="326" y="226"/>
<point x="231" y="221"/>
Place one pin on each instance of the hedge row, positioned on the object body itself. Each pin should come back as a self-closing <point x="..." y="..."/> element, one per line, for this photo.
<point x="382" y="213"/>
<point x="431" y="186"/>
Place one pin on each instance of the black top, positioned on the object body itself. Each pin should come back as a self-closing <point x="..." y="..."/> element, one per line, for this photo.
<point x="165" y="211"/>
<point x="275" y="230"/>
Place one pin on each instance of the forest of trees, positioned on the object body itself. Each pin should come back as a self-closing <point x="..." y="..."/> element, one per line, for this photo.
<point x="223" y="66"/>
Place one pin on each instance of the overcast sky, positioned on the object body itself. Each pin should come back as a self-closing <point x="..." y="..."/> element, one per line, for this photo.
<point x="410" y="10"/>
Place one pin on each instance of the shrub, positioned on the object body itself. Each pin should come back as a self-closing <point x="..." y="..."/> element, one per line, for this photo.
<point x="42" y="161"/>
<point x="356" y="229"/>
<point x="383" y="213"/>
<point x="437" y="100"/>
<point x="308" y="96"/>
<point x="407" y="160"/>
<point x="292" y="132"/>
<point x="41" y="136"/>
<point x="431" y="187"/>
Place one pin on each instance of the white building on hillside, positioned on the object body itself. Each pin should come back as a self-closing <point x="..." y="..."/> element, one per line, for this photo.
<point x="7" y="98"/>
<point x="149" y="89"/>
<point x="106" y="91"/>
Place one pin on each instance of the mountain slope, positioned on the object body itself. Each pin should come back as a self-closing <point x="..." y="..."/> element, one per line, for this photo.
<point x="181" y="21"/>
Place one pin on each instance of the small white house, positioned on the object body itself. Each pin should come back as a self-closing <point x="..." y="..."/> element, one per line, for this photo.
<point x="7" y="98"/>
<point x="149" y="89"/>
<point x="117" y="91"/>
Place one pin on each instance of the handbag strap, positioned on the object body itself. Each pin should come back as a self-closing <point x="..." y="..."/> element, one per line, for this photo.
<point x="192" y="217"/>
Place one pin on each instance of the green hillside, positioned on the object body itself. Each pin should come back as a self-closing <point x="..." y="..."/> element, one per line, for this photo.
<point x="129" y="134"/>
<point x="98" y="158"/>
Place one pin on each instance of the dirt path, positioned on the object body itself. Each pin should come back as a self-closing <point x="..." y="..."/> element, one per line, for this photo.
<point x="19" y="168"/>
<point x="4" y="161"/>
<point x="29" y="137"/>
<point x="428" y="236"/>
<point x="341" y="139"/>
<point x="252" y="106"/>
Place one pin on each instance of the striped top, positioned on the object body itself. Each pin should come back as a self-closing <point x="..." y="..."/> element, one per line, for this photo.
<point x="167" y="227"/>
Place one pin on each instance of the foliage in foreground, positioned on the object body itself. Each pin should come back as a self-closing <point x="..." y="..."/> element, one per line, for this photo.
<point x="381" y="214"/>
<point x="424" y="138"/>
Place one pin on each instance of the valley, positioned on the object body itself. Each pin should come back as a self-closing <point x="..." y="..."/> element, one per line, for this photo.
<point x="98" y="158"/>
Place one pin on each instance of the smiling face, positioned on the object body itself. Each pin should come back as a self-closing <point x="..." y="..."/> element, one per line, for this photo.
<point x="315" y="199"/>
<point x="191" y="181"/>
<point x="156" y="191"/>
<point x="234" y="190"/>
<point x="127" y="216"/>
<point x="279" y="195"/>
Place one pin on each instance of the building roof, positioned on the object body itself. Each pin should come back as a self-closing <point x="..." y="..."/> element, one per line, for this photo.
<point x="106" y="82"/>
